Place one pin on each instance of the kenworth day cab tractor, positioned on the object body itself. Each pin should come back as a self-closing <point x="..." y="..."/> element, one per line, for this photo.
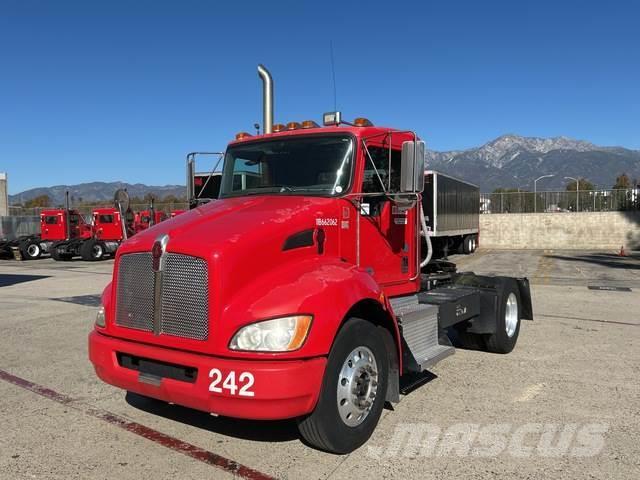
<point x="307" y="293"/>
<point x="56" y="224"/>
<point x="110" y="227"/>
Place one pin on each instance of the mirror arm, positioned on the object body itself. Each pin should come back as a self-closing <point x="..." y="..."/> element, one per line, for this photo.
<point x="384" y="190"/>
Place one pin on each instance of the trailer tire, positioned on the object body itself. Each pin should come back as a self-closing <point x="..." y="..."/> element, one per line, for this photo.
<point x="30" y="250"/>
<point x="333" y="426"/>
<point x="467" y="244"/>
<point x="92" y="250"/>
<point x="508" y="320"/>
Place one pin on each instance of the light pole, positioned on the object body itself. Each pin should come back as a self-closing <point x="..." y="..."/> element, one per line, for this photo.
<point x="535" y="192"/>
<point x="577" y="192"/>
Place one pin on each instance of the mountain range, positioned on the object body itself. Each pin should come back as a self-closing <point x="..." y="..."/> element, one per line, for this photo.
<point x="512" y="161"/>
<point x="96" y="192"/>
<point x="509" y="161"/>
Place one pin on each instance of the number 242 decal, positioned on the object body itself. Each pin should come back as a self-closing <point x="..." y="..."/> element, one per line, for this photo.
<point x="245" y="379"/>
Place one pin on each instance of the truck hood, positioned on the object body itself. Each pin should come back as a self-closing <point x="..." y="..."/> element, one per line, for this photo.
<point x="252" y="222"/>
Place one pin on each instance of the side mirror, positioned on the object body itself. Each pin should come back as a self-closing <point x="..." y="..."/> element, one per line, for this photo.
<point x="412" y="167"/>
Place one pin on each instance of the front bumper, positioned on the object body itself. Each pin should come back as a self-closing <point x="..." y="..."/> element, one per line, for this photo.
<point x="280" y="388"/>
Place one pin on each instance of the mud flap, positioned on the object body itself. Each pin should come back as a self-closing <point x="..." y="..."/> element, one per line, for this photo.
<point x="491" y="290"/>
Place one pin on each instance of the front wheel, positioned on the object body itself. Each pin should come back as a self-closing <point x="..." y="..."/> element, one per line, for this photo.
<point x="31" y="250"/>
<point x="353" y="390"/>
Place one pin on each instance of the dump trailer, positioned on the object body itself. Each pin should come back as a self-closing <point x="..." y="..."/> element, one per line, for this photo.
<point x="309" y="293"/>
<point x="452" y="213"/>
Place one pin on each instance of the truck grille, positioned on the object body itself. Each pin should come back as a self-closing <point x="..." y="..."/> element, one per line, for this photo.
<point x="183" y="301"/>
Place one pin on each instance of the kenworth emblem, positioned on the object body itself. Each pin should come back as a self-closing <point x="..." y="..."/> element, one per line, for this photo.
<point x="157" y="252"/>
<point x="158" y="256"/>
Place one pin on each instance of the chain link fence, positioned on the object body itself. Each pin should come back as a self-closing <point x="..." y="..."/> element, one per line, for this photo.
<point x="565" y="201"/>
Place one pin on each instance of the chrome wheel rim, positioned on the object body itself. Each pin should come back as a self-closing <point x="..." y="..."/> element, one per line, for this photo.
<point x="33" y="250"/>
<point x="97" y="251"/>
<point x="511" y="315"/>
<point x="357" y="386"/>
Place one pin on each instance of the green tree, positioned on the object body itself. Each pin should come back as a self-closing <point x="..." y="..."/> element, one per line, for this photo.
<point x="622" y="181"/>
<point x="584" y="197"/>
<point x="511" y="200"/>
<point x="40" y="201"/>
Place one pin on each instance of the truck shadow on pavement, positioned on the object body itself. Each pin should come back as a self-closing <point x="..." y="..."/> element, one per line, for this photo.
<point x="257" y="430"/>
<point x="7" y="280"/>
<point x="610" y="260"/>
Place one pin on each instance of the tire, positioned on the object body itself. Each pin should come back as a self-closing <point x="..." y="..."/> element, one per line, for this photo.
<point x="474" y="243"/>
<point x="31" y="250"/>
<point x="326" y="428"/>
<point x="59" y="257"/>
<point x="507" y="322"/>
<point x="91" y="250"/>
<point x="467" y="244"/>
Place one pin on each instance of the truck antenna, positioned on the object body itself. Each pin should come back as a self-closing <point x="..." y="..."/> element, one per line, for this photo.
<point x="333" y="74"/>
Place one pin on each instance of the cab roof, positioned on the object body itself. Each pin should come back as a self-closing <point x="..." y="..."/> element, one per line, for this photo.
<point x="360" y="132"/>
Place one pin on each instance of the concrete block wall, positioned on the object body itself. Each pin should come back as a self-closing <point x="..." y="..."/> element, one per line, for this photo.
<point x="583" y="230"/>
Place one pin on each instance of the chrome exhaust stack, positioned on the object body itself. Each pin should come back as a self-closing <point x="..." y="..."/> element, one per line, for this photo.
<point x="267" y="99"/>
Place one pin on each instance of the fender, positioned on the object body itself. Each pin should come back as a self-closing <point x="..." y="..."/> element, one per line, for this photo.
<point x="322" y="287"/>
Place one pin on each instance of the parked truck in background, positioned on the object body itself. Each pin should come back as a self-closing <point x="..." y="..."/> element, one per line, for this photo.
<point x="56" y="224"/>
<point x="110" y="226"/>
<point x="308" y="293"/>
<point x="452" y="213"/>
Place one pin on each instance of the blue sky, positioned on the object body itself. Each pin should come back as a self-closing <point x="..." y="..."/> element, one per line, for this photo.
<point x="121" y="90"/>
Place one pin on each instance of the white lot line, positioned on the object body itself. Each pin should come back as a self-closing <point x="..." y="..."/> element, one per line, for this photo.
<point x="530" y="393"/>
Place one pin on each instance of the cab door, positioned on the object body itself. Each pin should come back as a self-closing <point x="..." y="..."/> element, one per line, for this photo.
<point x="387" y="228"/>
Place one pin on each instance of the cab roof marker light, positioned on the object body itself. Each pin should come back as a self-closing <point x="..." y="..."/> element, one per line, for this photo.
<point x="293" y="126"/>
<point x="279" y="127"/>
<point x="362" y="122"/>
<point x="310" y="124"/>
<point x="242" y="135"/>
<point x="331" y="119"/>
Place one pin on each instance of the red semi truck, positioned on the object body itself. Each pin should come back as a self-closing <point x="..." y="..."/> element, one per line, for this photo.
<point x="56" y="224"/>
<point x="105" y="236"/>
<point x="306" y="293"/>
<point x="110" y="227"/>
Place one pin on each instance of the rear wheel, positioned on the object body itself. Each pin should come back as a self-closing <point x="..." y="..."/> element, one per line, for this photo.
<point x="92" y="250"/>
<point x="31" y="250"/>
<point x="467" y="244"/>
<point x="507" y="322"/>
<point x="59" y="256"/>
<point x="353" y="390"/>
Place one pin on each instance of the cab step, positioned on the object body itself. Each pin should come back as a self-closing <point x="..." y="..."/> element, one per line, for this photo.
<point x="419" y="322"/>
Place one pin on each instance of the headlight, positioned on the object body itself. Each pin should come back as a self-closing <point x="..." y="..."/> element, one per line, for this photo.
<point x="100" y="317"/>
<point x="278" y="335"/>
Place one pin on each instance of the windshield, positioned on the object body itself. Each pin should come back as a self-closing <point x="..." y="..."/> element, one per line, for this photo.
<point x="319" y="165"/>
